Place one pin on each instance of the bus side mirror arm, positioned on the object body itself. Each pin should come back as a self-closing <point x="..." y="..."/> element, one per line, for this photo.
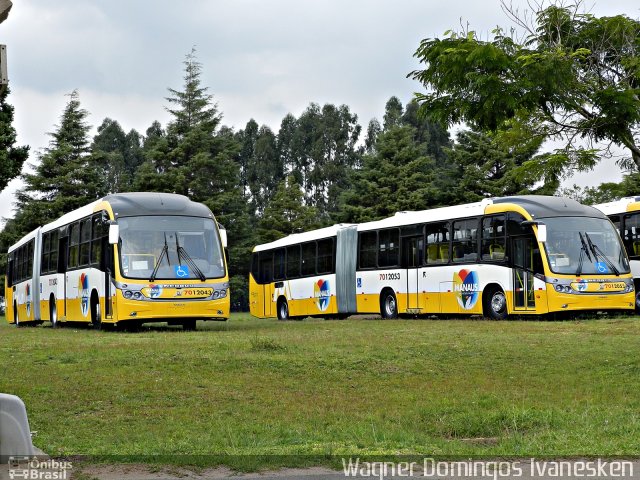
<point x="542" y="229"/>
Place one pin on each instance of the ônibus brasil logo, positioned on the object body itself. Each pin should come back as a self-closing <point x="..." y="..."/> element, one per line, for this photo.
<point x="28" y="299"/>
<point x="83" y="289"/>
<point x="322" y="294"/>
<point x="466" y="288"/>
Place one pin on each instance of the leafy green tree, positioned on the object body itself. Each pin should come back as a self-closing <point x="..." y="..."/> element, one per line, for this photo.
<point x="393" y="112"/>
<point x="573" y="76"/>
<point x="319" y="149"/>
<point x="605" y="192"/>
<point x="373" y="130"/>
<point x="287" y="213"/>
<point x="11" y="157"/>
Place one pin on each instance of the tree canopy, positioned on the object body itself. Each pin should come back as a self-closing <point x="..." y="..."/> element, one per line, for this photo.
<point x="571" y="76"/>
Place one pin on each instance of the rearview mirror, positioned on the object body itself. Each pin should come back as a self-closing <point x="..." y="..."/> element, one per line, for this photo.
<point x="114" y="233"/>
<point x="542" y="233"/>
<point x="223" y="235"/>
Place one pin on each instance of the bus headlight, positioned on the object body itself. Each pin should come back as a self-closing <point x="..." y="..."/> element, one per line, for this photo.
<point x="223" y="293"/>
<point x="629" y="287"/>
<point x="216" y="294"/>
<point x="127" y="294"/>
<point x="563" y="288"/>
<point x="137" y="295"/>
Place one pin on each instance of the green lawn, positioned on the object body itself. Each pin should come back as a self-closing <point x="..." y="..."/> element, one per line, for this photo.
<point x="247" y="386"/>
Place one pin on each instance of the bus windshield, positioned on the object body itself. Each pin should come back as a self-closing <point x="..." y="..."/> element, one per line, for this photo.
<point x="170" y="248"/>
<point x="584" y="246"/>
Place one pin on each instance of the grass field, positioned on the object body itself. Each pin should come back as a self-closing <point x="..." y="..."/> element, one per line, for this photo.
<point x="247" y="386"/>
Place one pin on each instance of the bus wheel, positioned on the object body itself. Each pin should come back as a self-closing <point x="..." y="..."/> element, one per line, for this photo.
<point x="283" y="309"/>
<point x="96" y="314"/>
<point x="53" y="313"/>
<point x="388" y="305"/>
<point x="189" y="325"/>
<point x="637" y="301"/>
<point x="495" y="304"/>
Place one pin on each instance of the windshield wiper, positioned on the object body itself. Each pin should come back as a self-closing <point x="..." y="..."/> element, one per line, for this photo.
<point x="183" y="253"/>
<point x="165" y="251"/>
<point x="596" y="250"/>
<point x="584" y="249"/>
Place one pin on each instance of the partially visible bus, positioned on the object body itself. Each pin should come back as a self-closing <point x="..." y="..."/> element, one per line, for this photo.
<point x="125" y="259"/>
<point x="524" y="255"/>
<point x="625" y="215"/>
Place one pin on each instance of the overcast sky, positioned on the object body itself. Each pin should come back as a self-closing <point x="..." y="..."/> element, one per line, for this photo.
<point x="261" y="59"/>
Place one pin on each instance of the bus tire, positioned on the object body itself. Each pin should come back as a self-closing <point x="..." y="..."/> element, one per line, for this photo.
<point x="637" y="287"/>
<point x="388" y="305"/>
<point x="283" y="309"/>
<point x="495" y="303"/>
<point x="96" y="313"/>
<point x="53" y="312"/>
<point x="189" y="325"/>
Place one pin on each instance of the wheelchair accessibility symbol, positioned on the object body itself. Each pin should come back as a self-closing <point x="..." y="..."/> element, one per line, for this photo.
<point x="182" y="271"/>
<point x="601" y="267"/>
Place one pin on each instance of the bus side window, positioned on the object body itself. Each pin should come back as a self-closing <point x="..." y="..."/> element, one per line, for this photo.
<point x="437" y="235"/>
<point x="266" y="267"/>
<point x="465" y="240"/>
<point x="388" y="251"/>
<point x="326" y="262"/>
<point x="74" y="240"/>
<point x="279" y="264"/>
<point x="493" y="238"/>
<point x="10" y="270"/>
<point x="631" y="234"/>
<point x="308" y="258"/>
<point x="368" y="249"/>
<point x="293" y="261"/>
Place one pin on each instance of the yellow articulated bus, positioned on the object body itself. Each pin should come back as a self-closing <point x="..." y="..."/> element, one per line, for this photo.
<point x="625" y="215"/>
<point x="125" y="259"/>
<point x="521" y="255"/>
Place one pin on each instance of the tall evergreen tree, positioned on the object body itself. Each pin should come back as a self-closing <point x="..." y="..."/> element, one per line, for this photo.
<point x="397" y="176"/>
<point x="392" y="113"/>
<point x="194" y="159"/>
<point x="11" y="157"/>
<point x="66" y="176"/>
<point x="287" y="213"/>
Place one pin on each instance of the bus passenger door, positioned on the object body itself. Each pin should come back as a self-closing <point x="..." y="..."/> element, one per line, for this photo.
<point x="522" y="248"/>
<point x="412" y="249"/>
<point x="63" y="244"/>
<point x="266" y="272"/>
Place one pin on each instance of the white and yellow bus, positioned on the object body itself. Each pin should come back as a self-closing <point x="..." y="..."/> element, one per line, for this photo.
<point x="125" y="259"/>
<point x="625" y="215"/>
<point x="524" y="255"/>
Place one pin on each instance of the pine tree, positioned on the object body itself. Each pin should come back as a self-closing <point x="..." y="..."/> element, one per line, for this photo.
<point x="11" y="157"/>
<point x="66" y="176"/>
<point x="287" y="213"/>
<point x="195" y="158"/>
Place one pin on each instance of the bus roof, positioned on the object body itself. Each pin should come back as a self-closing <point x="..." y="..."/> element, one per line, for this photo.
<point x="538" y="206"/>
<point x="137" y="203"/>
<point x="153" y="203"/>
<point x="23" y="240"/>
<point x="292" y="239"/>
<point x="622" y="205"/>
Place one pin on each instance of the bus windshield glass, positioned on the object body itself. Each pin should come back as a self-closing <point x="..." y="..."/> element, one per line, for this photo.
<point x="170" y="248"/>
<point x="584" y="246"/>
